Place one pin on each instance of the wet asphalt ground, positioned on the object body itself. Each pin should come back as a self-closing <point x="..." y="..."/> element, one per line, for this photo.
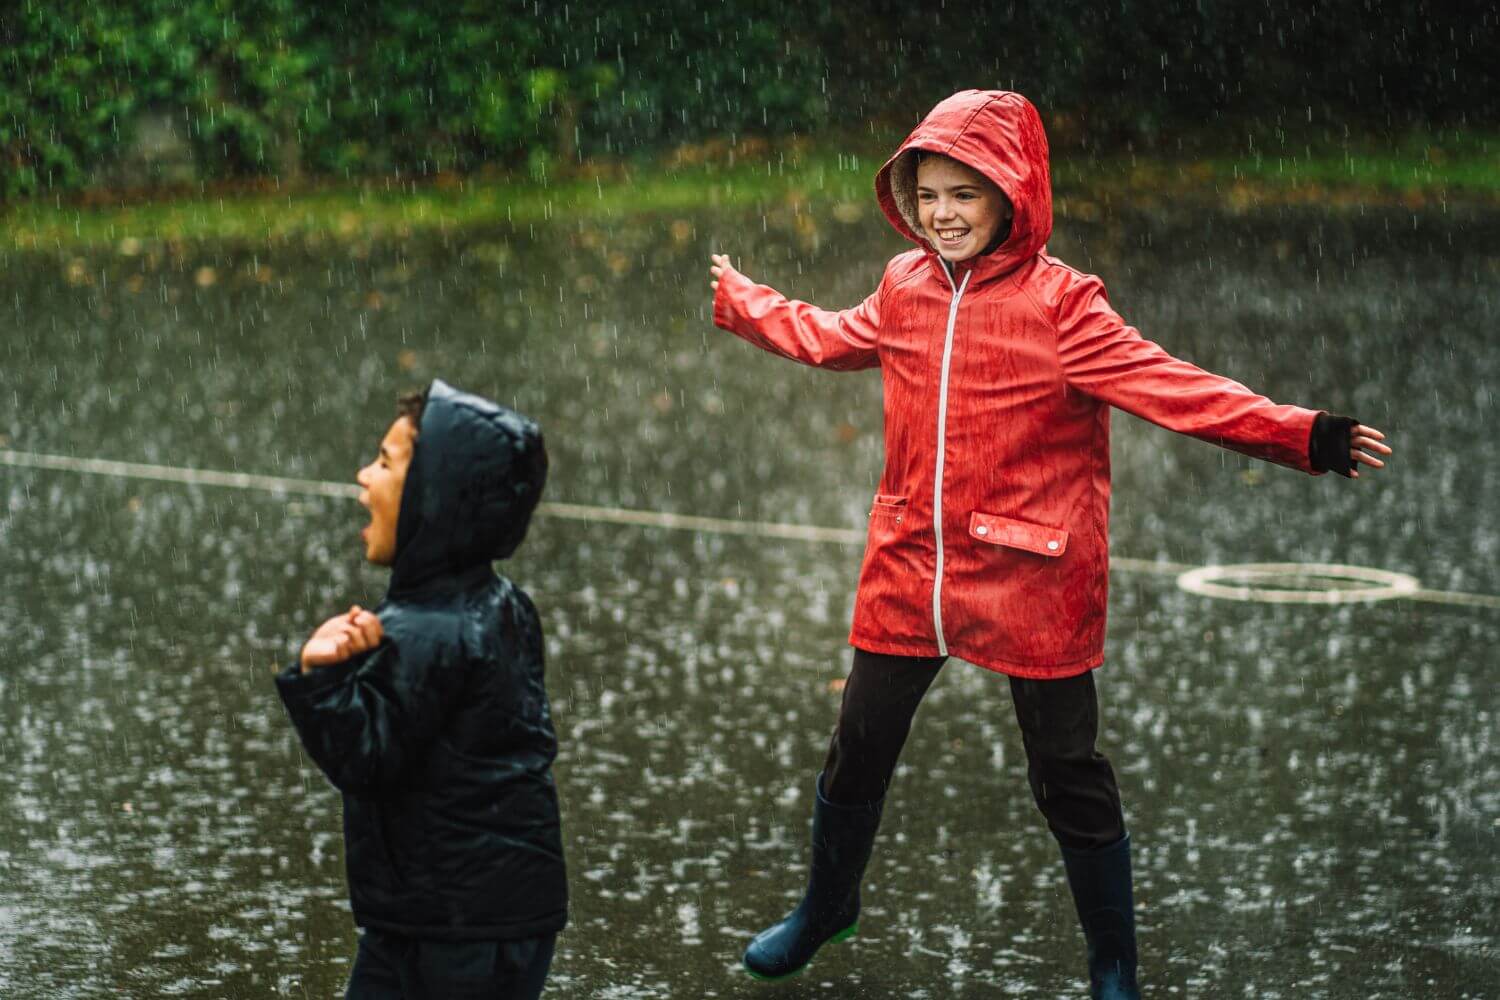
<point x="1314" y="791"/>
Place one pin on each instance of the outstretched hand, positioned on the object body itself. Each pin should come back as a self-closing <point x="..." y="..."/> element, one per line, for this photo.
<point x="341" y="637"/>
<point x="1362" y="441"/>
<point x="720" y="265"/>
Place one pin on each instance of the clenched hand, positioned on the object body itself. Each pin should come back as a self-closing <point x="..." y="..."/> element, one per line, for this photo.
<point x="341" y="637"/>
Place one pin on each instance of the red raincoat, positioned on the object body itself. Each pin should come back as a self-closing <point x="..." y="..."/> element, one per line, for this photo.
<point x="989" y="538"/>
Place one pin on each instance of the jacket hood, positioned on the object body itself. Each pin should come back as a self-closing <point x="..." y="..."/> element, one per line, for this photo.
<point x="999" y="134"/>
<point x="476" y="473"/>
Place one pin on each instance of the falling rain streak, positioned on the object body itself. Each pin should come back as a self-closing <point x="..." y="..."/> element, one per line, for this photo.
<point x="1317" y="782"/>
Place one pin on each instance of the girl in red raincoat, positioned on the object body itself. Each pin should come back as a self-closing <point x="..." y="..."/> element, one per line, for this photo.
<point x="988" y="538"/>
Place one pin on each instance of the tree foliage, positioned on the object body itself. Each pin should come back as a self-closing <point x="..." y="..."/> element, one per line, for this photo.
<point x="360" y="87"/>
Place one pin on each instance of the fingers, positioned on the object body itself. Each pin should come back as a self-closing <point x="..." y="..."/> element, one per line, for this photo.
<point x="1365" y="443"/>
<point x="1357" y="458"/>
<point x="1369" y="439"/>
<point x="358" y="638"/>
<point x="367" y="630"/>
<point x="342" y="636"/>
<point x="322" y="651"/>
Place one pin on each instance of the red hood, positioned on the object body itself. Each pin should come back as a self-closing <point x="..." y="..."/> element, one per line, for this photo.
<point x="996" y="132"/>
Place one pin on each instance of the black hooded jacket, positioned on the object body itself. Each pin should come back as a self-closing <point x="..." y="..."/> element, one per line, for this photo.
<point x="441" y="738"/>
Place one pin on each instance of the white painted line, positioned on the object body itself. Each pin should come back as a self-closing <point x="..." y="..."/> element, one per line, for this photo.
<point x="175" y="474"/>
<point x="348" y="491"/>
<point x="1128" y="565"/>
<point x="1201" y="580"/>
<point x="708" y="525"/>
<point x="1457" y="597"/>
<point x="1327" y="583"/>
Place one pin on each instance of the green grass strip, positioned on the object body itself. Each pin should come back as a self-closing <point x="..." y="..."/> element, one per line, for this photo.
<point x="1415" y="172"/>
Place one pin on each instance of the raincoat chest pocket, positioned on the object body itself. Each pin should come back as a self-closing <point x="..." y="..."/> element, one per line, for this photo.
<point x="887" y="511"/>
<point x="1007" y="531"/>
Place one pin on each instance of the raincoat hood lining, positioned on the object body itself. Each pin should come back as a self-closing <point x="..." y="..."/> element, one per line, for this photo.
<point x="906" y="192"/>
<point x="1012" y="173"/>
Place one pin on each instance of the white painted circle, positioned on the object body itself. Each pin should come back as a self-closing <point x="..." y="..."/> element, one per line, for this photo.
<point x="1317" y="583"/>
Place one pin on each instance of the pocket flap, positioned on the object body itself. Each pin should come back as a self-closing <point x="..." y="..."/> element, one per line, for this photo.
<point x="887" y="503"/>
<point x="997" y="530"/>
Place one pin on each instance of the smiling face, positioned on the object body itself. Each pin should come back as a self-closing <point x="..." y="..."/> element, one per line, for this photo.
<point x="960" y="209"/>
<point x="382" y="481"/>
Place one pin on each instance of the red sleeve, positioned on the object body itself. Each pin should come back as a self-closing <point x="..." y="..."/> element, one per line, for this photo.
<point x="843" y="340"/>
<point x="1106" y="358"/>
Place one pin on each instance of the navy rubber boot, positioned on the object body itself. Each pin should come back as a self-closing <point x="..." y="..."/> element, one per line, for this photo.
<point x="1100" y="881"/>
<point x="829" y="911"/>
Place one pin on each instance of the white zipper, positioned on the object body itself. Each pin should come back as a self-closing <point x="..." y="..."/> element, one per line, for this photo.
<point x="942" y="444"/>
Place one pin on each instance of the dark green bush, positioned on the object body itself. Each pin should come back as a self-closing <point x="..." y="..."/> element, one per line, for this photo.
<point x="74" y="77"/>
<point x="271" y="88"/>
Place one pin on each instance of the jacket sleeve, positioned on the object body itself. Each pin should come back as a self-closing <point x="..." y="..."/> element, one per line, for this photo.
<point x="1107" y="359"/>
<point x="368" y="720"/>
<point x="843" y="340"/>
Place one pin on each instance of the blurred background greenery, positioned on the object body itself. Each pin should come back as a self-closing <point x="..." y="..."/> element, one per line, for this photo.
<point x="110" y="95"/>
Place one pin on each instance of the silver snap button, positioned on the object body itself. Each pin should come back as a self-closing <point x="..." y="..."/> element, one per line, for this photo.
<point x="981" y="530"/>
<point x="1052" y="546"/>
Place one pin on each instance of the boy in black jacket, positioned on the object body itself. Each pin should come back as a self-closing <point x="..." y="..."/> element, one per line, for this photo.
<point x="430" y="714"/>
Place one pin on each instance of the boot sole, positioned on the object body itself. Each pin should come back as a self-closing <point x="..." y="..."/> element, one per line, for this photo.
<point x="843" y="935"/>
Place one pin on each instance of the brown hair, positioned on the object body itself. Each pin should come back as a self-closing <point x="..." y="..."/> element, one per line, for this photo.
<point x="410" y="405"/>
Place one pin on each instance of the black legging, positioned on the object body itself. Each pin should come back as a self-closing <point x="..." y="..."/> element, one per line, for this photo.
<point x="1072" y="782"/>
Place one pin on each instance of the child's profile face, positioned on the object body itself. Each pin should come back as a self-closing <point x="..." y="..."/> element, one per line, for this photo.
<point x="382" y="480"/>
<point x="960" y="208"/>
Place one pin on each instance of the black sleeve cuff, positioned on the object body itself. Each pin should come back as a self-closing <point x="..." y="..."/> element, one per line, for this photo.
<point x="293" y="684"/>
<point x="1328" y="447"/>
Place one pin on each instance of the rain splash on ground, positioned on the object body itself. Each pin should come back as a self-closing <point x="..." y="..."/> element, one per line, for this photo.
<point x="1314" y="791"/>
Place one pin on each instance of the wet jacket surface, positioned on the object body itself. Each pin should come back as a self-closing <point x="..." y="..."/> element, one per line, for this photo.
<point x="441" y="738"/>
<point x="989" y="537"/>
